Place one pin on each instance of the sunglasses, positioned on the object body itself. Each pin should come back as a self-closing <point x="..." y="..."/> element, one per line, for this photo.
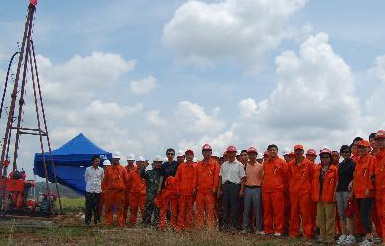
<point x="325" y="157"/>
<point x="170" y="154"/>
<point x="345" y="152"/>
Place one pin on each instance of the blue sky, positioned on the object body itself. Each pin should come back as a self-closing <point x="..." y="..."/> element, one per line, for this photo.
<point x="140" y="76"/>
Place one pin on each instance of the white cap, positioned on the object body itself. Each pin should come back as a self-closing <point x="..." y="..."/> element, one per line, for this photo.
<point x="131" y="157"/>
<point x="116" y="155"/>
<point x="140" y="158"/>
<point x="259" y="156"/>
<point x="286" y="151"/>
<point x="158" y="158"/>
<point x="106" y="163"/>
<point x="180" y="153"/>
<point x="215" y="154"/>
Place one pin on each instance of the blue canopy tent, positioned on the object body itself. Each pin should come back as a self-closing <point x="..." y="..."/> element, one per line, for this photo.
<point x="71" y="161"/>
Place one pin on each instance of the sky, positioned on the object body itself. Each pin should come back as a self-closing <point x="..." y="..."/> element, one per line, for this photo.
<point x="141" y="76"/>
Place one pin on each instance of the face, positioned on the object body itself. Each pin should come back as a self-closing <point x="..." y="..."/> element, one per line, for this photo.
<point x="115" y="161"/>
<point x="139" y="164"/>
<point x="252" y="156"/>
<point x="362" y="150"/>
<point x="335" y="157"/>
<point x="325" y="159"/>
<point x="231" y="155"/>
<point x="180" y="159"/>
<point x="189" y="156"/>
<point x="272" y="152"/>
<point x="372" y="143"/>
<point x="298" y="153"/>
<point x="311" y="157"/>
<point x="380" y="143"/>
<point x="243" y="157"/>
<point x="354" y="147"/>
<point x="170" y="156"/>
<point x="130" y="163"/>
<point x="157" y="164"/>
<point x="346" y="154"/>
<point x="287" y="158"/>
<point x="206" y="154"/>
<point x="96" y="162"/>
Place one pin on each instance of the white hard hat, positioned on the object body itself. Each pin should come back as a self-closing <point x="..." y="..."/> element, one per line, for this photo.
<point x="195" y="159"/>
<point x="286" y="151"/>
<point x="140" y="158"/>
<point x="259" y="156"/>
<point x="106" y="163"/>
<point x="116" y="155"/>
<point x="180" y="153"/>
<point x="158" y="158"/>
<point x="215" y="154"/>
<point x="131" y="157"/>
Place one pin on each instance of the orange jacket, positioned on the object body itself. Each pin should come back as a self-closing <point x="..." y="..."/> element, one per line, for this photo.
<point x="186" y="176"/>
<point x="207" y="175"/>
<point x="115" y="178"/>
<point x="379" y="171"/>
<point x="329" y="184"/>
<point x="364" y="169"/>
<point x="300" y="176"/>
<point x="275" y="176"/>
<point x="136" y="185"/>
<point x="171" y="187"/>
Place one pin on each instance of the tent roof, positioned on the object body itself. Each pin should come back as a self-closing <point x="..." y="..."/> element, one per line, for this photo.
<point x="79" y="145"/>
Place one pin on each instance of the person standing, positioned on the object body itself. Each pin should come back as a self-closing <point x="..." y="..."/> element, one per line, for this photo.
<point x="232" y="182"/>
<point x="274" y="187"/>
<point x="106" y="164"/>
<point x="207" y="185"/>
<point x="93" y="177"/>
<point x="343" y="195"/>
<point x="186" y="177"/>
<point x="300" y="179"/>
<point x="325" y="181"/>
<point x="116" y="182"/>
<point x="253" y="191"/>
<point x="379" y="178"/>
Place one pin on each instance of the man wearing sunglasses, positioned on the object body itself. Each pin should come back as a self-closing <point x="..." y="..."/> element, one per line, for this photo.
<point x="168" y="168"/>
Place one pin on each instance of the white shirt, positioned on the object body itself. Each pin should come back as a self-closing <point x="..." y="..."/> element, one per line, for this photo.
<point x="94" y="179"/>
<point x="232" y="171"/>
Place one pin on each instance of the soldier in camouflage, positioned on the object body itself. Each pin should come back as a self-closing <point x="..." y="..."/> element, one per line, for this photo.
<point x="152" y="176"/>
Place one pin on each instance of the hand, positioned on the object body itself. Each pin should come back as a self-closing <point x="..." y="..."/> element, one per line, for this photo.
<point x="219" y="194"/>
<point x="214" y="191"/>
<point x="350" y="187"/>
<point x="367" y="192"/>
<point x="241" y="193"/>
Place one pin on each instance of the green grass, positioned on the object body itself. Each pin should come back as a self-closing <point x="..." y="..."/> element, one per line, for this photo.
<point x="71" y="205"/>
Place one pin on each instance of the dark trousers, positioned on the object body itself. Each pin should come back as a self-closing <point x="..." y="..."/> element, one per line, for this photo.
<point x="230" y="202"/>
<point x="92" y="206"/>
<point x="365" y="207"/>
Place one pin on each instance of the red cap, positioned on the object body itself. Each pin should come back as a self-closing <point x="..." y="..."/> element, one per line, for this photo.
<point x="298" y="146"/>
<point x="189" y="151"/>
<point x="252" y="150"/>
<point x="325" y="151"/>
<point x="380" y="134"/>
<point x="206" y="147"/>
<point x="33" y="2"/>
<point x="311" y="152"/>
<point x="231" y="148"/>
<point x="265" y="154"/>
<point x="364" y="143"/>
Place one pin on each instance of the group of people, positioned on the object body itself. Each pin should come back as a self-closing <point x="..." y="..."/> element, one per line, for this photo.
<point x="245" y="192"/>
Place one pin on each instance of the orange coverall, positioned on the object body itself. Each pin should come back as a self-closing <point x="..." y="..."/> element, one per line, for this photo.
<point x="169" y="195"/>
<point x="129" y="169"/>
<point x="137" y="195"/>
<point x="207" y="184"/>
<point x="274" y="185"/>
<point x="186" y="176"/>
<point x="116" y="181"/>
<point x="300" y="179"/>
<point x="379" y="172"/>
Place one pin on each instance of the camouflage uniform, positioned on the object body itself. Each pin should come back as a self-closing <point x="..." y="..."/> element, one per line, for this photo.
<point x="152" y="178"/>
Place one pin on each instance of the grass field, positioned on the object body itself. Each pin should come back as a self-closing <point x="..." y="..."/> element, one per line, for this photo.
<point x="69" y="230"/>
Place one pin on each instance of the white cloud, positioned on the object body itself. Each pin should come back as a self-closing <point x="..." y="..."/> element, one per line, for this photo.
<point x="143" y="86"/>
<point x="154" y="119"/>
<point x="243" y="30"/>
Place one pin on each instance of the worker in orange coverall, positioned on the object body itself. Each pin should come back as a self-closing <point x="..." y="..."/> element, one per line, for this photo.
<point x="116" y="181"/>
<point x="186" y="176"/>
<point x="169" y="195"/>
<point x="300" y="179"/>
<point x="137" y="195"/>
<point x="311" y="155"/>
<point x="106" y="164"/>
<point x="379" y="179"/>
<point x="207" y="185"/>
<point x="274" y="186"/>
<point x="129" y="168"/>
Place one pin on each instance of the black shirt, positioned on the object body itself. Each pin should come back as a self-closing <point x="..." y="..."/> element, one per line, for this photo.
<point x="345" y="174"/>
<point x="168" y="169"/>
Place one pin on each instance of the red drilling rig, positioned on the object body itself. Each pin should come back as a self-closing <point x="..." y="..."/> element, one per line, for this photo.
<point x="14" y="188"/>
